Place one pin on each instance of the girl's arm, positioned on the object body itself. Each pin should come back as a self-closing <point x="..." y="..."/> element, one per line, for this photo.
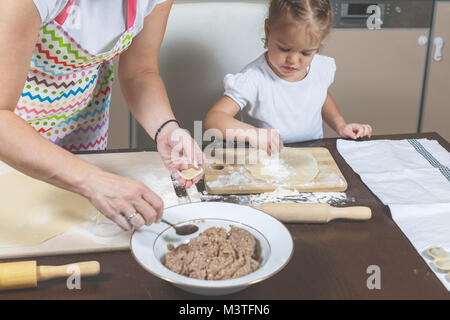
<point x="221" y="117"/>
<point x="26" y="150"/>
<point x="332" y="116"/>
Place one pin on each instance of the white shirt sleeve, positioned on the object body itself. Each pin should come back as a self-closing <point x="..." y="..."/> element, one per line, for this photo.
<point x="330" y="71"/>
<point x="240" y="88"/>
<point x="49" y="9"/>
<point x="151" y="5"/>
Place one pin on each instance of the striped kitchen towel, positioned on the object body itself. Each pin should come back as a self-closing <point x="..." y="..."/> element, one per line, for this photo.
<point x="401" y="171"/>
<point x="412" y="177"/>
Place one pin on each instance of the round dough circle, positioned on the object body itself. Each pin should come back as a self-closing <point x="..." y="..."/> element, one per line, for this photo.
<point x="191" y="173"/>
<point x="291" y="166"/>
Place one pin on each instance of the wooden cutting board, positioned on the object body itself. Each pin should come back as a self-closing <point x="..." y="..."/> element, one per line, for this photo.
<point x="221" y="177"/>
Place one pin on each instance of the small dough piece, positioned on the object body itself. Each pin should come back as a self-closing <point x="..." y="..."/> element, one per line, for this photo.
<point x="34" y="211"/>
<point x="191" y="173"/>
<point x="442" y="264"/>
<point x="437" y="252"/>
<point x="291" y="166"/>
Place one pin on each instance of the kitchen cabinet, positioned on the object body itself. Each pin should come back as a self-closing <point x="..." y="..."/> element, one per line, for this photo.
<point x="379" y="77"/>
<point x="436" y="110"/>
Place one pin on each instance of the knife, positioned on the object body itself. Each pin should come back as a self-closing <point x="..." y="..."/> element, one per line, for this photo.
<point x="180" y="190"/>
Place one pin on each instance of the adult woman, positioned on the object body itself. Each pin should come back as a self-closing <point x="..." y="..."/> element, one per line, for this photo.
<point x="63" y="104"/>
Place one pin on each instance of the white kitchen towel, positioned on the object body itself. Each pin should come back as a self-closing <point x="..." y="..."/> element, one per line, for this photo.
<point x="412" y="177"/>
<point x="426" y="225"/>
<point x="401" y="171"/>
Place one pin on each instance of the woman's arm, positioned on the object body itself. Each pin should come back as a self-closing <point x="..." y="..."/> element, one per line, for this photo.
<point x="27" y="151"/>
<point x="221" y="117"/>
<point x="20" y="145"/>
<point x="332" y="116"/>
<point x="146" y="95"/>
<point x="141" y="84"/>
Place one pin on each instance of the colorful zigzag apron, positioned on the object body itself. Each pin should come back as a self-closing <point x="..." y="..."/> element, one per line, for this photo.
<point x="67" y="93"/>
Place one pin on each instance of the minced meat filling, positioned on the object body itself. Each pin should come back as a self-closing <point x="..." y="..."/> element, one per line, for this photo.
<point x="215" y="255"/>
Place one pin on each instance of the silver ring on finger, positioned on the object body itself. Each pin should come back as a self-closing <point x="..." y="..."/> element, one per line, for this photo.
<point x="131" y="216"/>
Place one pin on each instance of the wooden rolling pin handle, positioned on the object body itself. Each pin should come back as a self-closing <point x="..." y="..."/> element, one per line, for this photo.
<point x="313" y="212"/>
<point x="351" y="213"/>
<point x="85" y="269"/>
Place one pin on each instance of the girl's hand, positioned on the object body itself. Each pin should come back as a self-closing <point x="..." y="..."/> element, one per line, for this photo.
<point x="119" y="198"/>
<point x="355" y="131"/>
<point x="180" y="152"/>
<point x="267" y="139"/>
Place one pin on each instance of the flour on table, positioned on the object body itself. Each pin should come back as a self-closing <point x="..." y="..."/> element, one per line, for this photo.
<point x="159" y="181"/>
<point x="283" y="195"/>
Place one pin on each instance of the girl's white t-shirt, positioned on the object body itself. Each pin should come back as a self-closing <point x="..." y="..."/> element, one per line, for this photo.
<point x="294" y="108"/>
<point x="95" y="24"/>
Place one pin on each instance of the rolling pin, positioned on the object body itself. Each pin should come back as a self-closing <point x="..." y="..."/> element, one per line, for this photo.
<point x="26" y="274"/>
<point x="313" y="212"/>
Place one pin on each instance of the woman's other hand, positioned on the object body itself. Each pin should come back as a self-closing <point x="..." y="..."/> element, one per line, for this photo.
<point x="179" y="152"/>
<point x="127" y="202"/>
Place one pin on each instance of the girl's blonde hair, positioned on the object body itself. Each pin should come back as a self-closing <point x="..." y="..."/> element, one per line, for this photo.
<point x="316" y="16"/>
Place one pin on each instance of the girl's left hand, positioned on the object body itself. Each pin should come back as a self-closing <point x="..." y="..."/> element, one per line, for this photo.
<point x="355" y="130"/>
<point x="180" y="152"/>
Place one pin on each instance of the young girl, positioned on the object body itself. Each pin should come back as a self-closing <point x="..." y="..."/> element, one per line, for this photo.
<point x="283" y="94"/>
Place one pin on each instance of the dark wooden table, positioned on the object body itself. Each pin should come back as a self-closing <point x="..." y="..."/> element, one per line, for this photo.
<point x="330" y="261"/>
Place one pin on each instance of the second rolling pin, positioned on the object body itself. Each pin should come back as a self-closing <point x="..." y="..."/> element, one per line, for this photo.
<point x="26" y="274"/>
<point x="313" y="212"/>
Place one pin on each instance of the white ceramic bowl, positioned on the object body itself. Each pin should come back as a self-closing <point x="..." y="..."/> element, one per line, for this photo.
<point x="149" y="244"/>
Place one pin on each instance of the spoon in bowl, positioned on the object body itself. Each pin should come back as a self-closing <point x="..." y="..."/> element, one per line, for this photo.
<point x="184" y="230"/>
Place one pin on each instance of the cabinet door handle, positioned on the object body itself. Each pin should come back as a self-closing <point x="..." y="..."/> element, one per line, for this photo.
<point x="438" y="44"/>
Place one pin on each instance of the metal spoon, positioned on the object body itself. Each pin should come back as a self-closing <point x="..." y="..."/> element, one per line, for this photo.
<point x="184" y="230"/>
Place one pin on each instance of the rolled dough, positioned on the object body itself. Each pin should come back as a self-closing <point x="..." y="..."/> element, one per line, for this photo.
<point x="291" y="166"/>
<point x="34" y="211"/>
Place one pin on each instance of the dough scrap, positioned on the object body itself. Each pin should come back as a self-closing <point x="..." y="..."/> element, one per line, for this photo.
<point x="191" y="173"/>
<point x="34" y="211"/>
<point x="291" y="166"/>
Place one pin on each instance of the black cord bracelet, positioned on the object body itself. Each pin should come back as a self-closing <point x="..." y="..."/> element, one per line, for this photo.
<point x="162" y="126"/>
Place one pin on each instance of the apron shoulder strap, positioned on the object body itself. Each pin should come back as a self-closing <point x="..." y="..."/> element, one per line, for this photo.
<point x="131" y="13"/>
<point x="61" y="18"/>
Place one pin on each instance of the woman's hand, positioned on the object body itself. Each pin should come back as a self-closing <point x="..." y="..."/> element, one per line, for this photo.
<point x="119" y="198"/>
<point x="355" y="130"/>
<point x="267" y="139"/>
<point x="179" y="152"/>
